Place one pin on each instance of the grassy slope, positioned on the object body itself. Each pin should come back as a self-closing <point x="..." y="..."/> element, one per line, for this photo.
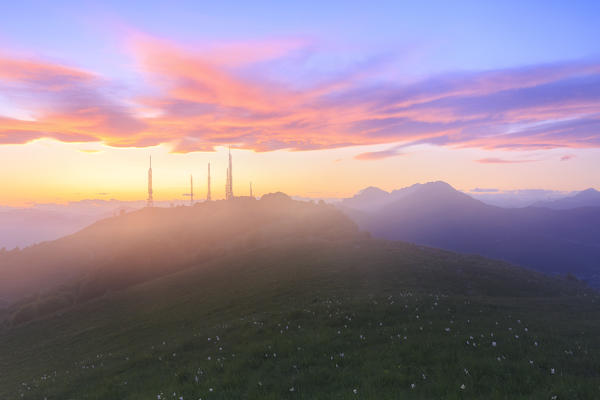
<point x="316" y="320"/>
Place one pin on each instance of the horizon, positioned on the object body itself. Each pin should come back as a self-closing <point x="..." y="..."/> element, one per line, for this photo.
<point x="477" y="193"/>
<point x="495" y="97"/>
<point x="24" y="226"/>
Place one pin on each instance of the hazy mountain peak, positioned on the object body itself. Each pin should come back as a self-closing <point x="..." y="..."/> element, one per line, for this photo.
<point x="373" y="198"/>
<point x="438" y="185"/>
<point x="371" y="191"/>
<point x="586" y="198"/>
<point x="367" y="199"/>
<point x="424" y="197"/>
<point x="588" y="192"/>
<point x="433" y="190"/>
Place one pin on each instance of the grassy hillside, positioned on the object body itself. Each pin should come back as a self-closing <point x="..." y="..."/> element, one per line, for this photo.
<point x="117" y="252"/>
<point x="317" y="318"/>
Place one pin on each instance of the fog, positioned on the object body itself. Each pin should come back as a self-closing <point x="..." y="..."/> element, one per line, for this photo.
<point x="139" y="245"/>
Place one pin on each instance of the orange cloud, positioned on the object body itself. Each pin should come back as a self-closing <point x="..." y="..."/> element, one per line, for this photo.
<point x="502" y="161"/>
<point x="377" y="155"/>
<point x="197" y="97"/>
<point x="66" y="104"/>
<point x="52" y="76"/>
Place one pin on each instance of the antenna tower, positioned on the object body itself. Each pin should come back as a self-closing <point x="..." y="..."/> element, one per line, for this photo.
<point x="191" y="190"/>
<point x="150" y="201"/>
<point x="208" y="191"/>
<point x="229" y="184"/>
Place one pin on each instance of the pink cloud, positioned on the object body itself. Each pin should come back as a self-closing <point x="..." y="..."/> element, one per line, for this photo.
<point x="204" y="95"/>
<point x="493" y="160"/>
<point x="567" y="157"/>
<point x="66" y="104"/>
<point x="52" y="76"/>
<point x="379" y="155"/>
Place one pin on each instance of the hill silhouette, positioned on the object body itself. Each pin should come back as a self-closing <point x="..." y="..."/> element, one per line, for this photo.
<point x="585" y="198"/>
<point x="435" y="214"/>
<point x="119" y="251"/>
<point x="294" y="302"/>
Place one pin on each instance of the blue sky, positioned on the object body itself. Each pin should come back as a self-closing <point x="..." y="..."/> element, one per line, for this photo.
<point x="451" y="35"/>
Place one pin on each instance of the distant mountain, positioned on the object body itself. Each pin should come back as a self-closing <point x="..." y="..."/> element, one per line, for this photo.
<point x="515" y="198"/>
<point x="25" y="226"/>
<point x="585" y="198"/>
<point x="20" y="227"/>
<point x="367" y="199"/>
<point x="435" y="214"/>
<point x="373" y="198"/>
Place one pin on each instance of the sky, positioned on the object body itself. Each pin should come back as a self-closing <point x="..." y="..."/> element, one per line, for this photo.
<point x="316" y="99"/>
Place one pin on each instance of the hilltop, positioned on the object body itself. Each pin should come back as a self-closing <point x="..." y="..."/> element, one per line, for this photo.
<point x="120" y="251"/>
<point x="317" y="311"/>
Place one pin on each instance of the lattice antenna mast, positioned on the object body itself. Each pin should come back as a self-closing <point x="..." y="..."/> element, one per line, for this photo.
<point x="208" y="197"/>
<point x="229" y="184"/>
<point x="150" y="200"/>
<point x="191" y="190"/>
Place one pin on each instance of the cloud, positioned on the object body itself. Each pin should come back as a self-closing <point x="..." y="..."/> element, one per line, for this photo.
<point x="493" y="160"/>
<point x="485" y="190"/>
<point x="66" y="104"/>
<point x="209" y="103"/>
<point x="377" y="155"/>
<point x="267" y="95"/>
<point x="35" y="72"/>
<point x="567" y="157"/>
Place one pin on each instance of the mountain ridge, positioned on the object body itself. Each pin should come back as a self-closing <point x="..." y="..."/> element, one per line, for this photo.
<point x="378" y="197"/>
<point x="437" y="215"/>
<point x="585" y="198"/>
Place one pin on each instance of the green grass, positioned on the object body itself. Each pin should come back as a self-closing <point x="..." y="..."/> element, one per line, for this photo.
<point x="324" y="319"/>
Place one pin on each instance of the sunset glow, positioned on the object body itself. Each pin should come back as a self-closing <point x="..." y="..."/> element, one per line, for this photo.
<point x="299" y="200"/>
<point x="81" y="109"/>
